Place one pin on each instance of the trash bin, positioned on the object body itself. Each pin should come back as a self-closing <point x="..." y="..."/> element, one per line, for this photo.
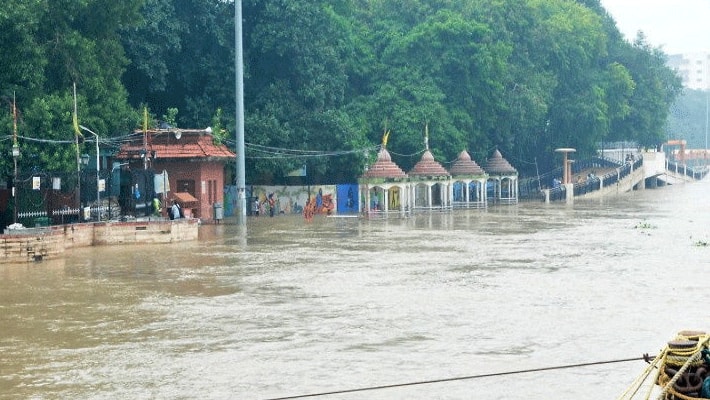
<point x="218" y="211"/>
<point x="41" y="221"/>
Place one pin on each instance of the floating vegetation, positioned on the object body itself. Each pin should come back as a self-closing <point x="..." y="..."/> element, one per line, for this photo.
<point x="701" y="242"/>
<point x="644" y="225"/>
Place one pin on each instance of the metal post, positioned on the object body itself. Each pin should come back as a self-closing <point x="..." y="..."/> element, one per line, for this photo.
<point x="239" y="70"/>
<point x="98" y="195"/>
<point x="98" y="189"/>
<point x="15" y="154"/>
<point x="707" y="116"/>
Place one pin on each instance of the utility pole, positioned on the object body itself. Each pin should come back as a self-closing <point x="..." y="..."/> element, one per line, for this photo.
<point x="98" y="195"/>
<point x="145" y="138"/>
<point x="239" y="69"/>
<point x="15" y="154"/>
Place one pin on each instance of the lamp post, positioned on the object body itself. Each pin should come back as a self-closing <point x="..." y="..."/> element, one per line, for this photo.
<point x="84" y="161"/>
<point x="15" y="154"/>
<point x="98" y="195"/>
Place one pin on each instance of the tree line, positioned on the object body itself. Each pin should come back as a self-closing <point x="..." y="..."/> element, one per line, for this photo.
<point x="323" y="79"/>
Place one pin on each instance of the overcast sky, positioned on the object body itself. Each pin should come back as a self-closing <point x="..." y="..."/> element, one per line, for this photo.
<point x="679" y="26"/>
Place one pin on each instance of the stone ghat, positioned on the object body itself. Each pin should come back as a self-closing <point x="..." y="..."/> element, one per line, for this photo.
<point x="37" y="244"/>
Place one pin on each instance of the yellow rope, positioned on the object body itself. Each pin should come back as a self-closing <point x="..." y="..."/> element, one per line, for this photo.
<point x="659" y="371"/>
<point x="638" y="382"/>
<point x="696" y="356"/>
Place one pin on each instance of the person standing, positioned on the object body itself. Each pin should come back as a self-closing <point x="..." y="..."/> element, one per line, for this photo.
<point x="255" y="208"/>
<point x="156" y="207"/>
<point x="272" y="205"/>
<point x="175" y="211"/>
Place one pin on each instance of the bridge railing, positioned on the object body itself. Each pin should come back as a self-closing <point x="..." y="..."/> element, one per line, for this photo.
<point x="696" y="173"/>
<point x="530" y="189"/>
<point x="586" y="185"/>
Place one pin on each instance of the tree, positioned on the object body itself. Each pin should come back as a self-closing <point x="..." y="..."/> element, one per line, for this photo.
<point x="324" y="78"/>
<point x="182" y="54"/>
<point x="299" y="55"/>
<point x="656" y="87"/>
<point x="57" y="45"/>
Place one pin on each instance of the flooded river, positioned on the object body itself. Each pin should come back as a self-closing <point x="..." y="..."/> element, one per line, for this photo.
<point x="293" y="308"/>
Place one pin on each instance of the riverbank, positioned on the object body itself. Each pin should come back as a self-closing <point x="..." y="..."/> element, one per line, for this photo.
<point x="42" y="243"/>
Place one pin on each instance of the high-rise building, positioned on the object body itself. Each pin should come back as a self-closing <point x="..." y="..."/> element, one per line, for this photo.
<point x="694" y="69"/>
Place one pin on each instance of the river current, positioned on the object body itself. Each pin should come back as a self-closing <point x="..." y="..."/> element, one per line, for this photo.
<point x="284" y="307"/>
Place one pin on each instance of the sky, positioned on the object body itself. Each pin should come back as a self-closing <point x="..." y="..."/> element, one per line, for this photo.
<point x="678" y="26"/>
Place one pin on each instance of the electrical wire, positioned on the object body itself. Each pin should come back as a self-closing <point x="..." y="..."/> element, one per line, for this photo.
<point x="407" y="155"/>
<point x="268" y="152"/>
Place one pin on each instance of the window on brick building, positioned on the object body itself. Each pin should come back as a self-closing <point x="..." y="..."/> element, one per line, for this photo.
<point x="186" y="185"/>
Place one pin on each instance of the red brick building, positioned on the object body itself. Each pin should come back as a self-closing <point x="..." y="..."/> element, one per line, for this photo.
<point x="194" y="163"/>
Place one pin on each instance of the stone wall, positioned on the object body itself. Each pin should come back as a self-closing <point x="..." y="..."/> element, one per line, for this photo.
<point x="36" y="244"/>
<point x="32" y="245"/>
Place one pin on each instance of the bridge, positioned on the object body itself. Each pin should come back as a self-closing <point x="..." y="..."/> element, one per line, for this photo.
<point x="614" y="171"/>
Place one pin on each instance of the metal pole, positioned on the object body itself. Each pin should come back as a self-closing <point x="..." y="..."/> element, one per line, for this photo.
<point x="239" y="70"/>
<point x="98" y="195"/>
<point x="14" y="191"/>
<point x="707" y="116"/>
<point x="15" y="154"/>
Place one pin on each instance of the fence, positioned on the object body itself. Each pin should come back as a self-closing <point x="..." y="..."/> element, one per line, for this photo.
<point x="692" y="172"/>
<point x="530" y="189"/>
<point x="48" y="198"/>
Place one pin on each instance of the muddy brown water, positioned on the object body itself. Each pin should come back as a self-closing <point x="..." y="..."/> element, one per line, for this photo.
<point x="284" y="307"/>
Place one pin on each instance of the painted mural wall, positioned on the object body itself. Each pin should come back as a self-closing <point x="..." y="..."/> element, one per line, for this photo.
<point x="325" y="199"/>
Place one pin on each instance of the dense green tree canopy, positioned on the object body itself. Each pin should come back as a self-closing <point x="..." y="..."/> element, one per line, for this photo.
<point x="324" y="79"/>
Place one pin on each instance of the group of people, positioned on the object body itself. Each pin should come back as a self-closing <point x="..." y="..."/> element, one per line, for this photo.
<point x="175" y="211"/>
<point x="256" y="207"/>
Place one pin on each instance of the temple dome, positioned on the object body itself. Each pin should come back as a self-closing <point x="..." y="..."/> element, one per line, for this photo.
<point x="498" y="165"/>
<point x="464" y="165"/>
<point x="384" y="167"/>
<point x="427" y="166"/>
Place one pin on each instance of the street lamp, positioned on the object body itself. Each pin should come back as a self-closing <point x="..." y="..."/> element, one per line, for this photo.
<point x="83" y="162"/>
<point x="98" y="195"/>
<point x="15" y="154"/>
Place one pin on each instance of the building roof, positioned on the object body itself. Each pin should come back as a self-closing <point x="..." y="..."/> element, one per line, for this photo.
<point x="384" y="167"/>
<point x="184" y="198"/>
<point x="427" y="166"/>
<point x="174" y="144"/>
<point x="465" y="165"/>
<point x="498" y="165"/>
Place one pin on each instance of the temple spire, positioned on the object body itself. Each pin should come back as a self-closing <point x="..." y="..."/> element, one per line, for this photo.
<point x="426" y="135"/>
